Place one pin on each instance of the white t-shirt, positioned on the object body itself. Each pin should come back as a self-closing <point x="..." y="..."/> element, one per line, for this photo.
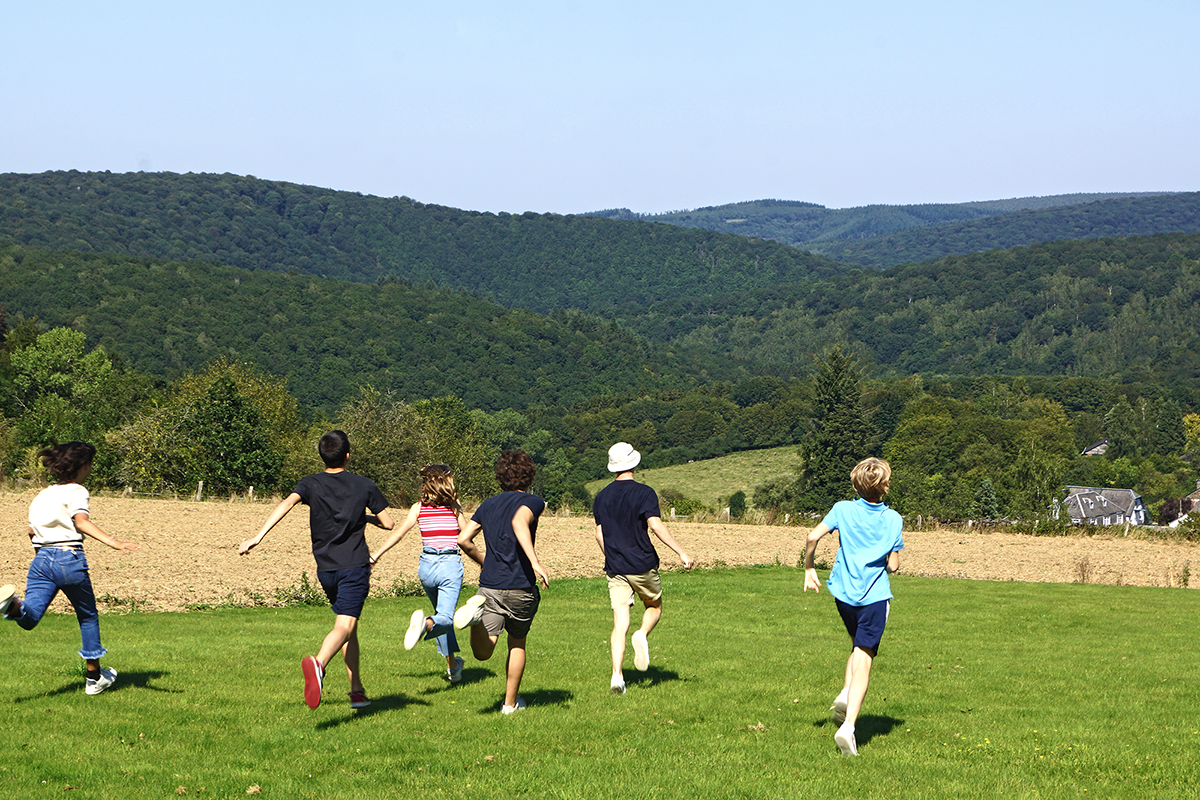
<point x="52" y="512"/>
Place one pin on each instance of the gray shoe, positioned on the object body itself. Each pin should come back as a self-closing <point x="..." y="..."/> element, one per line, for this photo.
<point x="455" y="675"/>
<point x="617" y="685"/>
<point x="97" y="685"/>
<point x="839" y="710"/>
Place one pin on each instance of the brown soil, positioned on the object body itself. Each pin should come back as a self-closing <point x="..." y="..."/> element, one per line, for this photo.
<point x="189" y="553"/>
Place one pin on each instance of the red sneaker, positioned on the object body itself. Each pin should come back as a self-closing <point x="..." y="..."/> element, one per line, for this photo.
<point x="359" y="700"/>
<point x="312" y="681"/>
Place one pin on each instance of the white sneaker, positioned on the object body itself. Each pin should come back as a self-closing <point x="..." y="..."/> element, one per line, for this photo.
<point x="7" y="593"/>
<point x="641" y="651"/>
<point x="455" y="674"/>
<point x="617" y="685"/>
<point x="470" y="613"/>
<point x="845" y="740"/>
<point x="839" y="708"/>
<point x="97" y="685"/>
<point x="515" y="707"/>
<point x="416" y="627"/>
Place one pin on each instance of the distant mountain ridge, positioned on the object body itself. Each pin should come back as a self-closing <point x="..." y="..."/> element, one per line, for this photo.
<point x="538" y="261"/>
<point x="884" y="235"/>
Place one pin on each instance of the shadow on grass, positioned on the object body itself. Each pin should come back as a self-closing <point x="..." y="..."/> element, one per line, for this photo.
<point x="125" y="680"/>
<point x="866" y="727"/>
<point x="470" y="675"/>
<point x="540" y="697"/>
<point x="387" y="702"/>
<point x="652" y="677"/>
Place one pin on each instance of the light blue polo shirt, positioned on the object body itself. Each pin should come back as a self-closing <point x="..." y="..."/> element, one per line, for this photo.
<point x="868" y="532"/>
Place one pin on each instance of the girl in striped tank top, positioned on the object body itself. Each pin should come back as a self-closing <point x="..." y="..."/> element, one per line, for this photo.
<point x="439" y="517"/>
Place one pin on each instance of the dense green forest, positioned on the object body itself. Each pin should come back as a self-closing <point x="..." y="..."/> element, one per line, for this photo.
<point x="327" y="337"/>
<point x="1134" y="216"/>
<point x="541" y="262"/>
<point x="980" y="376"/>
<point x="871" y="235"/>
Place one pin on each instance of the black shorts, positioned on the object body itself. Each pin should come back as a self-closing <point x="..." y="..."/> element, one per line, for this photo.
<point x="865" y="623"/>
<point x="346" y="589"/>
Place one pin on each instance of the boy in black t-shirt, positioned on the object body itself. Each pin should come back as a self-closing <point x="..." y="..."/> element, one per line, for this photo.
<point x="338" y="502"/>
<point x="508" y="595"/>
<point x="625" y="510"/>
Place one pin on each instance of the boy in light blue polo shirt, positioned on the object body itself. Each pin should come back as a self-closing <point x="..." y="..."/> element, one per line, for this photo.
<point x="870" y="538"/>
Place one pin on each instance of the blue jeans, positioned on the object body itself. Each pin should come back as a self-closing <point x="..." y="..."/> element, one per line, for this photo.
<point x="55" y="569"/>
<point x="442" y="577"/>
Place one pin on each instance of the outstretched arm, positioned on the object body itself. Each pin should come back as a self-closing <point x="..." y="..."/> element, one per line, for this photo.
<point x="660" y="530"/>
<point x="811" y="581"/>
<point x="84" y="524"/>
<point x="404" y="528"/>
<point x="281" y="510"/>
<point x="520" y="525"/>
<point x="466" y="541"/>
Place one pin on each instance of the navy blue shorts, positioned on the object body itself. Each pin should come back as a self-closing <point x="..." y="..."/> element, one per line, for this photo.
<point x="346" y="589"/>
<point x="865" y="623"/>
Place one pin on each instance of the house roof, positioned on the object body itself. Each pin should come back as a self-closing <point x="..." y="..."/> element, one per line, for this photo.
<point x="1102" y="501"/>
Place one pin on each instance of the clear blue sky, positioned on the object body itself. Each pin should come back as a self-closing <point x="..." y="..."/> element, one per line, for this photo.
<point x="569" y="107"/>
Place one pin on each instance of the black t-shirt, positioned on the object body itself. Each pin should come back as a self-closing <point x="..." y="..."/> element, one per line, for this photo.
<point x="337" y="503"/>
<point x="505" y="565"/>
<point x="621" y="510"/>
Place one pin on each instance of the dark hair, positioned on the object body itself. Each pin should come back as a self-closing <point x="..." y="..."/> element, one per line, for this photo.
<point x="515" y="471"/>
<point x="437" y="486"/>
<point x="334" y="447"/>
<point x="65" y="460"/>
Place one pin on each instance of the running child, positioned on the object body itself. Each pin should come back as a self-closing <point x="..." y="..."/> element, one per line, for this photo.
<point x="337" y="502"/>
<point x="870" y="538"/>
<point x="508" y="595"/>
<point x="58" y="521"/>
<point x="440" y="518"/>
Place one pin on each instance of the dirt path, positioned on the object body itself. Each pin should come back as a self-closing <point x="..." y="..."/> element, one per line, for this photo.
<point x="189" y="552"/>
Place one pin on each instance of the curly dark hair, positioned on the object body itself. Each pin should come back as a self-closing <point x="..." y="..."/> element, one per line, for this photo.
<point x="65" y="460"/>
<point x="515" y="471"/>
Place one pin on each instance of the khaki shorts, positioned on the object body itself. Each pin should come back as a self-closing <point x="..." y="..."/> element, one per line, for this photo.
<point x="509" y="610"/>
<point x="622" y="588"/>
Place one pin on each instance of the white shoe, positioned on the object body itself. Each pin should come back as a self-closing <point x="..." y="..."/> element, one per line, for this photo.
<point x="7" y="593"/>
<point x="515" y="707"/>
<point x="455" y="675"/>
<point x="839" y="708"/>
<point x="845" y="740"/>
<point x="641" y="651"/>
<point x="617" y="685"/>
<point x="97" y="685"/>
<point x="470" y="613"/>
<point x="416" y="627"/>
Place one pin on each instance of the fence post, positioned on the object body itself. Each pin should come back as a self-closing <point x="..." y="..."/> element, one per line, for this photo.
<point x="199" y="491"/>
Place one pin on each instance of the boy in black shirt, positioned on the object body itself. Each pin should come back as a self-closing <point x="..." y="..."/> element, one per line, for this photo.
<point x="338" y="502"/>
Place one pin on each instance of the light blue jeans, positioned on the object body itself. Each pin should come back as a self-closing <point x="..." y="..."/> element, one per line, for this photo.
<point x="54" y="569"/>
<point x="442" y="577"/>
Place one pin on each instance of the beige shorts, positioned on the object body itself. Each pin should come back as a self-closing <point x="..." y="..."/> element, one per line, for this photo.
<point x="622" y="588"/>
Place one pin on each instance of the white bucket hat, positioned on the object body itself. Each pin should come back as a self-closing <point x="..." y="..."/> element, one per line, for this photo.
<point x="622" y="457"/>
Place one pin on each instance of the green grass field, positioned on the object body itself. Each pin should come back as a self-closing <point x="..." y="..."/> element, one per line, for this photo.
<point x="981" y="690"/>
<point x="713" y="481"/>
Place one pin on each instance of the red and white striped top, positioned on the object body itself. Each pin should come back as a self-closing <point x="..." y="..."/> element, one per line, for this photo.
<point x="439" y="527"/>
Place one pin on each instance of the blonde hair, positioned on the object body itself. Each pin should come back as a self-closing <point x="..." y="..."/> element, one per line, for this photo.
<point x="871" y="477"/>
<point x="437" y="487"/>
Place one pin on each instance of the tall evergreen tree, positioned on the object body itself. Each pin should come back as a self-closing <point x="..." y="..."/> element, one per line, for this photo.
<point x="841" y="434"/>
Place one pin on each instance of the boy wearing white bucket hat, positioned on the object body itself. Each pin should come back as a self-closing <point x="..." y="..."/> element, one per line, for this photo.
<point x="625" y="512"/>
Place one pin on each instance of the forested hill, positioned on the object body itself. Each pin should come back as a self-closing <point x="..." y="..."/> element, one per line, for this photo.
<point x="1114" y="308"/>
<point x="882" y="236"/>
<point x="537" y="261"/>
<point x="1131" y="216"/>
<point x="327" y="337"/>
